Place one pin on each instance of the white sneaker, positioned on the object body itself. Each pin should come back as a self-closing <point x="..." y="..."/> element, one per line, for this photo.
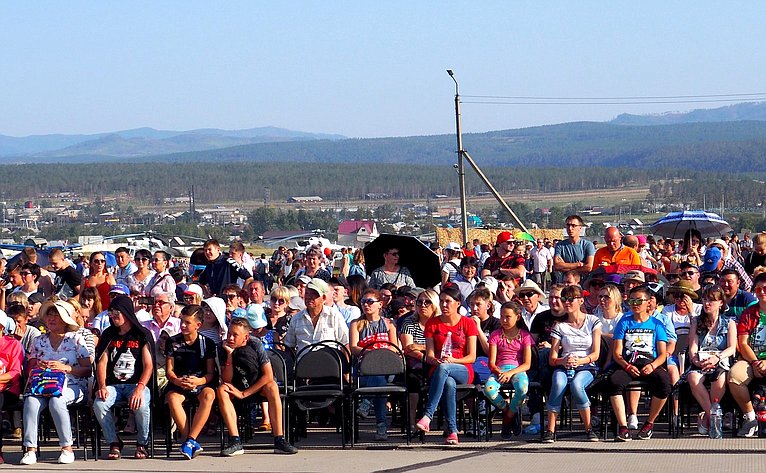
<point x="29" y="458"/>
<point x="66" y="457"/>
<point x="633" y="422"/>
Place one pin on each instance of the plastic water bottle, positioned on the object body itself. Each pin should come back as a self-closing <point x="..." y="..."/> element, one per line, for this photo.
<point x="447" y="347"/>
<point x="570" y="373"/>
<point x="716" y="421"/>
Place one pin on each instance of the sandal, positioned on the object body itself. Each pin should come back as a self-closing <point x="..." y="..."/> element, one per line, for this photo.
<point x="265" y="427"/>
<point x="115" y="451"/>
<point x="141" y="452"/>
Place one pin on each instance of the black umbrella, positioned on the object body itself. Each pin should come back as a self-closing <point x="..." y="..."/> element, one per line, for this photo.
<point x="413" y="254"/>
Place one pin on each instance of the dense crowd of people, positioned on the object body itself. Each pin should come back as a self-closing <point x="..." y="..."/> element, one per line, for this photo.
<point x="505" y="313"/>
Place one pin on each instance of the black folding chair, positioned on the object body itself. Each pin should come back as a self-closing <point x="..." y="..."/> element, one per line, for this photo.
<point x="386" y="359"/>
<point x="320" y="380"/>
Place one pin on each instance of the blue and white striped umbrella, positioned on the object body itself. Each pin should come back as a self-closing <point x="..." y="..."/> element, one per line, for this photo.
<point x="675" y="224"/>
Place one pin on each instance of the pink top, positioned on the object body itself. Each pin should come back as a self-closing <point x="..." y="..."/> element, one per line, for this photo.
<point x="11" y="358"/>
<point x="510" y="352"/>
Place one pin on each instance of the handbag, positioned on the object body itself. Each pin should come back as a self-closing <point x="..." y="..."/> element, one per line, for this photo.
<point x="47" y="382"/>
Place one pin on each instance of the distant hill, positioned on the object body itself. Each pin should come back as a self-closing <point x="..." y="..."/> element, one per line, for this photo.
<point x="728" y="147"/>
<point x="738" y="112"/>
<point x="146" y="142"/>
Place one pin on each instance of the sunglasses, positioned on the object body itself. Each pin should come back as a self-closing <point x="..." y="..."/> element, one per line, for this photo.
<point x="99" y="261"/>
<point x="394" y="254"/>
<point x="760" y="290"/>
<point x="637" y="301"/>
<point x="25" y="273"/>
<point x="279" y="301"/>
<point x="424" y="303"/>
<point x="688" y="273"/>
<point x="526" y="295"/>
<point x="140" y="258"/>
<point x="230" y="297"/>
<point x="604" y="297"/>
<point x="369" y="301"/>
<point x="154" y="260"/>
<point x="568" y="299"/>
<point x="160" y="303"/>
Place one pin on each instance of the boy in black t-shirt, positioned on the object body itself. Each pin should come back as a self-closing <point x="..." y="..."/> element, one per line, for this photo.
<point x="246" y="371"/>
<point x="123" y="368"/>
<point x="190" y="368"/>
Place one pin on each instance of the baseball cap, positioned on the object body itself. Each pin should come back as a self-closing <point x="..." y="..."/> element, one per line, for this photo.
<point x="712" y="256"/>
<point x="319" y="286"/>
<point x="502" y="237"/>
<point x="119" y="289"/>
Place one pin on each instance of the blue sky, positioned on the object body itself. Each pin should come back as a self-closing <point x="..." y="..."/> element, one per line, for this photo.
<point x="361" y="69"/>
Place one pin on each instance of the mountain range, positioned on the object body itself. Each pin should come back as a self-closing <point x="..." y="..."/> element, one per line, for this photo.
<point x="730" y="139"/>
<point x="145" y="142"/>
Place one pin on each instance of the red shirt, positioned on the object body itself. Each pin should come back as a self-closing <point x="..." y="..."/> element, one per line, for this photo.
<point x="437" y="330"/>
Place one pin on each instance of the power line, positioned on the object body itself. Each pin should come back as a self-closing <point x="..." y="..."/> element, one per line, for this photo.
<point x="626" y="102"/>
<point x="647" y="97"/>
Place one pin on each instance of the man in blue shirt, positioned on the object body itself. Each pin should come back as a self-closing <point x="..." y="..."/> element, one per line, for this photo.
<point x="574" y="252"/>
<point x="640" y="350"/>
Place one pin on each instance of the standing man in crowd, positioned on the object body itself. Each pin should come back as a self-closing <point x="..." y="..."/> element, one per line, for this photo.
<point x="542" y="263"/>
<point x="221" y="270"/>
<point x="574" y="253"/>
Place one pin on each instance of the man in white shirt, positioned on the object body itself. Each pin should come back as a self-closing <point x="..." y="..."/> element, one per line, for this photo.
<point x="542" y="263"/>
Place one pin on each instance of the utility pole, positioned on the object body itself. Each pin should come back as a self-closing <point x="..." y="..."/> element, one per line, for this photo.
<point x="460" y="165"/>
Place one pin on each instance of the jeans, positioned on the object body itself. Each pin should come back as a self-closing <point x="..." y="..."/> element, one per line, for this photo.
<point x="577" y="387"/>
<point x="121" y="393"/>
<point x="520" y="384"/>
<point x="379" y="402"/>
<point x="33" y="405"/>
<point x="444" y="380"/>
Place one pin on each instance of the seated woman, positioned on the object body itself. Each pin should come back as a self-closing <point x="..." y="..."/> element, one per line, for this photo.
<point x="609" y="309"/>
<point x="139" y="280"/>
<point x="414" y="344"/>
<point x="510" y="357"/>
<point x="59" y="349"/>
<point x="391" y="272"/>
<point x="711" y="348"/>
<point x="451" y="349"/>
<point x="123" y="369"/>
<point x="364" y="333"/>
<point x="677" y="318"/>
<point x="579" y="340"/>
<point x="99" y="277"/>
<point x="639" y="350"/>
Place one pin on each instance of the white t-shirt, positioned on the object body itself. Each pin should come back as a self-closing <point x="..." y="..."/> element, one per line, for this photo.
<point x="576" y="341"/>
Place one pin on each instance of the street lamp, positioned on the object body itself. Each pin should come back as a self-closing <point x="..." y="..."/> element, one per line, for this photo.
<point x="460" y="168"/>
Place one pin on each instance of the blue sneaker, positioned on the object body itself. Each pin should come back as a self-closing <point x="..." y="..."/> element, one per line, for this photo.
<point x="187" y="449"/>
<point x="190" y="449"/>
<point x="532" y="429"/>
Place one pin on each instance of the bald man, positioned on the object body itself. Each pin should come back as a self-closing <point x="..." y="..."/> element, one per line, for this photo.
<point x="615" y="252"/>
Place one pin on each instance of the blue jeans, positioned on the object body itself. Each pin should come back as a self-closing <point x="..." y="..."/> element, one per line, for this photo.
<point x="520" y="384"/>
<point x="378" y="401"/>
<point x="122" y="393"/>
<point x="33" y="405"/>
<point x="577" y="387"/>
<point x="444" y="380"/>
